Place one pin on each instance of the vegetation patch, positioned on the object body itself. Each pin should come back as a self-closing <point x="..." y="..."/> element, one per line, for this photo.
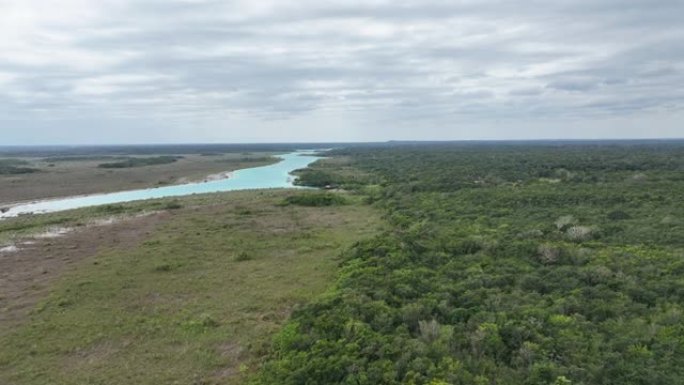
<point x="173" y="205"/>
<point x="260" y="159"/>
<point x="111" y="209"/>
<point x="179" y="308"/>
<point x="141" y="162"/>
<point x="15" y="167"/>
<point x="335" y="173"/>
<point x="81" y="158"/>
<point x="316" y="199"/>
<point x="244" y="256"/>
<point x="488" y="276"/>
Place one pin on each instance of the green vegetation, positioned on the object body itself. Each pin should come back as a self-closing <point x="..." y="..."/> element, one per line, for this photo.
<point x="196" y="303"/>
<point x="255" y="158"/>
<point x="316" y="199"/>
<point x="15" y="166"/>
<point x="141" y="162"/>
<point x="504" y="264"/>
<point x="335" y="173"/>
<point x="508" y="264"/>
<point x="81" y="158"/>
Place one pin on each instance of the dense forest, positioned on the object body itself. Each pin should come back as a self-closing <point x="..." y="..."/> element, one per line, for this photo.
<point x="541" y="264"/>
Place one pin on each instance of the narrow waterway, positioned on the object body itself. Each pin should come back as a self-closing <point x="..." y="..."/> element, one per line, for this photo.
<point x="276" y="175"/>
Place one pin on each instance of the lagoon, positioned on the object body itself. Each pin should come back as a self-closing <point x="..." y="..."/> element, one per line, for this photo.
<point x="276" y="175"/>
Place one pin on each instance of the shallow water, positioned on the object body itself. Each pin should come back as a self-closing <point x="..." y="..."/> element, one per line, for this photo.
<point x="271" y="176"/>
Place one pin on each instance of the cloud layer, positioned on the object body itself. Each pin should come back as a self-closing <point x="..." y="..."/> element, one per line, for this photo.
<point x="209" y="70"/>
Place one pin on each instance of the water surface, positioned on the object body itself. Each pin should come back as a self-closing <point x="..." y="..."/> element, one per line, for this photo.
<point x="272" y="176"/>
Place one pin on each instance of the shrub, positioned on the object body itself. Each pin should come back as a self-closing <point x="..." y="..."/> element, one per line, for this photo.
<point x="669" y="220"/>
<point x="112" y="209"/>
<point x="618" y="215"/>
<point x="548" y="254"/>
<point x="17" y="170"/>
<point x="579" y="233"/>
<point x="15" y="166"/>
<point x="535" y="233"/>
<point x="163" y="267"/>
<point x="173" y="205"/>
<point x="316" y="199"/>
<point x="565" y="221"/>
<point x="243" y="256"/>
<point x="140" y="162"/>
<point x="203" y="322"/>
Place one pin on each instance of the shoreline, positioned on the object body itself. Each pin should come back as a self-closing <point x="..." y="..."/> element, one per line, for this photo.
<point x="37" y="207"/>
<point x="7" y="207"/>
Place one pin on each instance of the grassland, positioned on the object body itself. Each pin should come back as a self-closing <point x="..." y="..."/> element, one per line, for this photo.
<point x="59" y="176"/>
<point x="196" y="302"/>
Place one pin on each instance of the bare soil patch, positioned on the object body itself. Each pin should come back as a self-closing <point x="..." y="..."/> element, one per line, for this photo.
<point x="28" y="269"/>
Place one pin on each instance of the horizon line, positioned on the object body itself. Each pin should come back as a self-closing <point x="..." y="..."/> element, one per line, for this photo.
<point x="650" y="139"/>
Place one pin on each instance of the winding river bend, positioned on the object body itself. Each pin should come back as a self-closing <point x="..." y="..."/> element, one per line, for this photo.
<point x="276" y="175"/>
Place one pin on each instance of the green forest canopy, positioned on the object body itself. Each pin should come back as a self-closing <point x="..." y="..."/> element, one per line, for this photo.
<point x="505" y="264"/>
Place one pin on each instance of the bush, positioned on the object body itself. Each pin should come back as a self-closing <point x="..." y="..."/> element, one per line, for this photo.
<point x="618" y="215"/>
<point x="315" y="178"/>
<point x="565" y="221"/>
<point x="140" y="162"/>
<point x="173" y="205"/>
<point x="243" y="256"/>
<point x="112" y="209"/>
<point x="164" y="267"/>
<point x="17" y="170"/>
<point x="316" y="199"/>
<point x="548" y="254"/>
<point x="15" y="167"/>
<point x="579" y="233"/>
<point x="201" y="323"/>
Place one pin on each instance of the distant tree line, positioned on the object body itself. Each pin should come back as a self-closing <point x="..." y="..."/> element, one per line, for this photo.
<point x="141" y="162"/>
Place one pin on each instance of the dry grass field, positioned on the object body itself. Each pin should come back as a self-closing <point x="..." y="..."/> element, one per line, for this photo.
<point x="189" y="295"/>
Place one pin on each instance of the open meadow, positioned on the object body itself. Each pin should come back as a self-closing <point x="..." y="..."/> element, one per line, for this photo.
<point x="181" y="291"/>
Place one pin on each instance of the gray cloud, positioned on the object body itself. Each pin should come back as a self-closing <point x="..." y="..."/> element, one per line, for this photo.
<point x="193" y="70"/>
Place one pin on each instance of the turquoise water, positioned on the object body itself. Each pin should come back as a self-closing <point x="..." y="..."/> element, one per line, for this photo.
<point x="272" y="176"/>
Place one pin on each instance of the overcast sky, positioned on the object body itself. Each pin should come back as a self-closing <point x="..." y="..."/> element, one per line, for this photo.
<point x="85" y="71"/>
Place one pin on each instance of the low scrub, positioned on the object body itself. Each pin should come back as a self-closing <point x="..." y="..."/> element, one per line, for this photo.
<point x="141" y="162"/>
<point x="316" y="199"/>
<point x="15" y="166"/>
<point x="173" y="205"/>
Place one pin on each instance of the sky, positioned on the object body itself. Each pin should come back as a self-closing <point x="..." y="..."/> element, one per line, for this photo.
<point x="204" y="71"/>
